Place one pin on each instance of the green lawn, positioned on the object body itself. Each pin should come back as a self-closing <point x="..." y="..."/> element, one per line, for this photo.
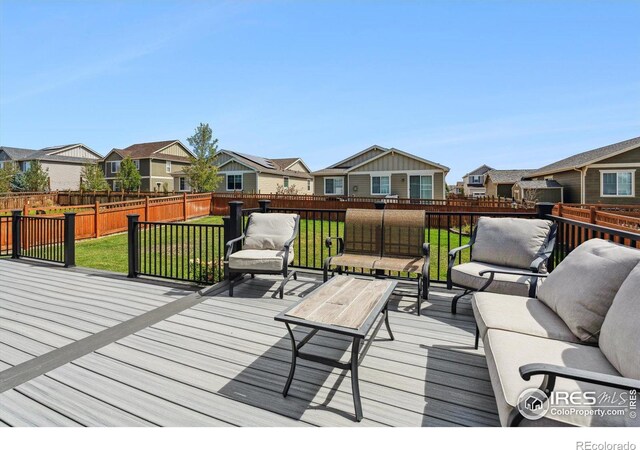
<point x="110" y="253"/>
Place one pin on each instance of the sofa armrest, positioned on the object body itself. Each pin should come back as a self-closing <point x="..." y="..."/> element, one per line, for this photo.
<point x="513" y="272"/>
<point x="329" y="242"/>
<point x="231" y="244"/>
<point x="452" y="259"/>
<point x="551" y="372"/>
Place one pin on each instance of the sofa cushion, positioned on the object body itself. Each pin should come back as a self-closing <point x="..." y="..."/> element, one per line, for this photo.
<point x="620" y="333"/>
<point x="269" y="231"/>
<point x="258" y="260"/>
<point x="468" y="275"/>
<point x="581" y="289"/>
<point x="507" y="352"/>
<point x="518" y="314"/>
<point x="509" y="242"/>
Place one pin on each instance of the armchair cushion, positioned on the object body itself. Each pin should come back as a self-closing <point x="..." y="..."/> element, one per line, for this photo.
<point x="507" y="352"/>
<point x="468" y="275"/>
<point x="269" y="231"/>
<point x="267" y="260"/>
<point x="509" y="242"/>
<point x="620" y="333"/>
<point x="519" y="314"/>
<point x="581" y="289"/>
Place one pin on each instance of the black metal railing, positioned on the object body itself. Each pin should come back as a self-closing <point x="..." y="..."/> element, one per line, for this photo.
<point x="42" y="238"/>
<point x="178" y="251"/>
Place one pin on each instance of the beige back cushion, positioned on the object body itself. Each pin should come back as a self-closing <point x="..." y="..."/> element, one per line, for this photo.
<point x="620" y="333"/>
<point x="509" y="242"/>
<point x="403" y="232"/>
<point x="581" y="289"/>
<point x="269" y="231"/>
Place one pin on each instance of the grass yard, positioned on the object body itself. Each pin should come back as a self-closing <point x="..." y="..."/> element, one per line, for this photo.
<point x="110" y="252"/>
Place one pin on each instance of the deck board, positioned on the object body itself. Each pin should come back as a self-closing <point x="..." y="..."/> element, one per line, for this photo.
<point x="221" y="361"/>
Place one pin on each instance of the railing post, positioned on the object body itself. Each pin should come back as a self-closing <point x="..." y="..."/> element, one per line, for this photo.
<point x="132" y="230"/>
<point x="16" y="233"/>
<point x="69" y="239"/>
<point x="379" y="205"/>
<point x="264" y="205"/>
<point x="235" y="219"/>
<point x="544" y="209"/>
<point x="226" y="223"/>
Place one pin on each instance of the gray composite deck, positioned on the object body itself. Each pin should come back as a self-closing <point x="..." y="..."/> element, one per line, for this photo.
<point x="88" y="348"/>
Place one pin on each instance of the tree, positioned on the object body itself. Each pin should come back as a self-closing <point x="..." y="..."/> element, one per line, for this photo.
<point x="7" y="174"/>
<point x="202" y="173"/>
<point x="36" y="178"/>
<point x="129" y="177"/>
<point x="92" y="178"/>
<point x="18" y="182"/>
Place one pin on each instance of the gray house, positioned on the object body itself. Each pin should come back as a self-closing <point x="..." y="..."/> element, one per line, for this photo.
<point x="63" y="163"/>
<point x="380" y="171"/>
<point x="473" y="183"/>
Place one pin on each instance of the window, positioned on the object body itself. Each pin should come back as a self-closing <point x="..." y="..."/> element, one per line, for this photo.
<point x="26" y="166"/>
<point x="334" y="186"/>
<point x="617" y="183"/>
<point x="475" y="179"/>
<point x="234" y="182"/>
<point x="1" y="164"/>
<point x="136" y="162"/>
<point x="286" y="182"/>
<point x="421" y="186"/>
<point x="116" y="185"/>
<point x="183" y="185"/>
<point x="167" y="166"/>
<point x="115" y="167"/>
<point x="308" y="185"/>
<point x="381" y="185"/>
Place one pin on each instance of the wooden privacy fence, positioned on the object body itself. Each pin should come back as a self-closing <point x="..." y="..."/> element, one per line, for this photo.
<point x="17" y="200"/>
<point x="76" y="198"/>
<point x="221" y="203"/>
<point x="625" y="218"/>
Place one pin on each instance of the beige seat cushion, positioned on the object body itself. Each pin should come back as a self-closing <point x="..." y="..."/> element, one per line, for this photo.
<point x="269" y="231"/>
<point x="581" y="289"/>
<point x="467" y="275"/>
<point x="258" y="259"/>
<point x="356" y="261"/>
<point x="519" y="314"/>
<point x="620" y="333"/>
<point x="411" y="265"/>
<point x="507" y="352"/>
<point x="509" y="242"/>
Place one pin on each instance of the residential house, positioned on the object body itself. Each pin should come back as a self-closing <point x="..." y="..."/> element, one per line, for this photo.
<point x="499" y="183"/>
<point x="248" y="173"/>
<point x="380" y="171"/>
<point x="160" y="164"/>
<point x="607" y="174"/>
<point x="63" y="163"/>
<point x="537" y="191"/>
<point x="473" y="182"/>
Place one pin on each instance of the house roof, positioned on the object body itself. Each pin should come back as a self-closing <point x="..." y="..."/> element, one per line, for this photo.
<point x="17" y="153"/>
<point x="343" y="167"/>
<point x="588" y="157"/>
<point x="538" y="184"/>
<point x="266" y="165"/>
<point x="47" y="154"/>
<point x="507" y="176"/>
<point x="150" y="149"/>
<point x="479" y="171"/>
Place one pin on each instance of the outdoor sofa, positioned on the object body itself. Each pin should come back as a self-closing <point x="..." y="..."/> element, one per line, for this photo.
<point x="579" y="334"/>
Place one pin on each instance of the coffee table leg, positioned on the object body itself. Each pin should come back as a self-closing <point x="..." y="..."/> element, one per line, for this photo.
<point x="355" y="386"/>
<point x="386" y="322"/>
<point x="294" y="357"/>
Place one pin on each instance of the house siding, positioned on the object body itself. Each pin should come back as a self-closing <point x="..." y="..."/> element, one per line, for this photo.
<point x="394" y="162"/>
<point x="359" y="185"/>
<point x="438" y="186"/>
<point x="77" y="152"/>
<point x="570" y="181"/>
<point x="551" y="195"/>
<point x="632" y="156"/>
<point x="298" y="167"/>
<point x="248" y="183"/>
<point x="63" y="176"/>
<point x="174" y="150"/>
<point x="592" y="185"/>
<point x="399" y="184"/>
<point x="362" y="158"/>
<point x="235" y="166"/>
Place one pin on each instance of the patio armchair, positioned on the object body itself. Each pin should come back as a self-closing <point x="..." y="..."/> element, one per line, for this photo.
<point x="264" y="248"/>
<point x="506" y="253"/>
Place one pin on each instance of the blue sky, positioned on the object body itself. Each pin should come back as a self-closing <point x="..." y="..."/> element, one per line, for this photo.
<point x="511" y="84"/>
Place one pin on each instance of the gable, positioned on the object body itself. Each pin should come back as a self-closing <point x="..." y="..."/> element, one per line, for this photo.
<point x="629" y="157"/>
<point x="298" y="167"/>
<point x="175" y="149"/>
<point x="77" y="151"/>
<point x="359" y="158"/>
<point x="394" y="161"/>
<point x="234" y="166"/>
<point x="222" y="158"/>
<point x="113" y="156"/>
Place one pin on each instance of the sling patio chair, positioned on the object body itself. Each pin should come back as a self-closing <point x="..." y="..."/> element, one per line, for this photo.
<point x="264" y="248"/>
<point x="499" y="246"/>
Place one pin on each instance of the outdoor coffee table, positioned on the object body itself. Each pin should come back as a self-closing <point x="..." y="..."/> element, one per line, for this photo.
<point x="343" y="305"/>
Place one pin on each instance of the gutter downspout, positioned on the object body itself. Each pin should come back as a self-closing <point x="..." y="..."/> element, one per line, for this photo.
<point x="582" y="175"/>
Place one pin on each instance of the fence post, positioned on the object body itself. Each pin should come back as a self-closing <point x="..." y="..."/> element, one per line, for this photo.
<point x="264" y="205"/>
<point x="379" y="205"/>
<point x="592" y="214"/>
<point x="146" y="208"/>
<point x="544" y="209"/>
<point x="97" y="218"/>
<point x="69" y="239"/>
<point x="16" y="232"/>
<point x="132" y="246"/>
<point x="184" y="206"/>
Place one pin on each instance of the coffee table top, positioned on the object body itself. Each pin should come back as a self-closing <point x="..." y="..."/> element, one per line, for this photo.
<point x="344" y="304"/>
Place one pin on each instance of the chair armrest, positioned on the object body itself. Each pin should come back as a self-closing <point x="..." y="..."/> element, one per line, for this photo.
<point x="329" y="241"/>
<point x="551" y="372"/>
<point x="230" y="245"/>
<point x="426" y="249"/>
